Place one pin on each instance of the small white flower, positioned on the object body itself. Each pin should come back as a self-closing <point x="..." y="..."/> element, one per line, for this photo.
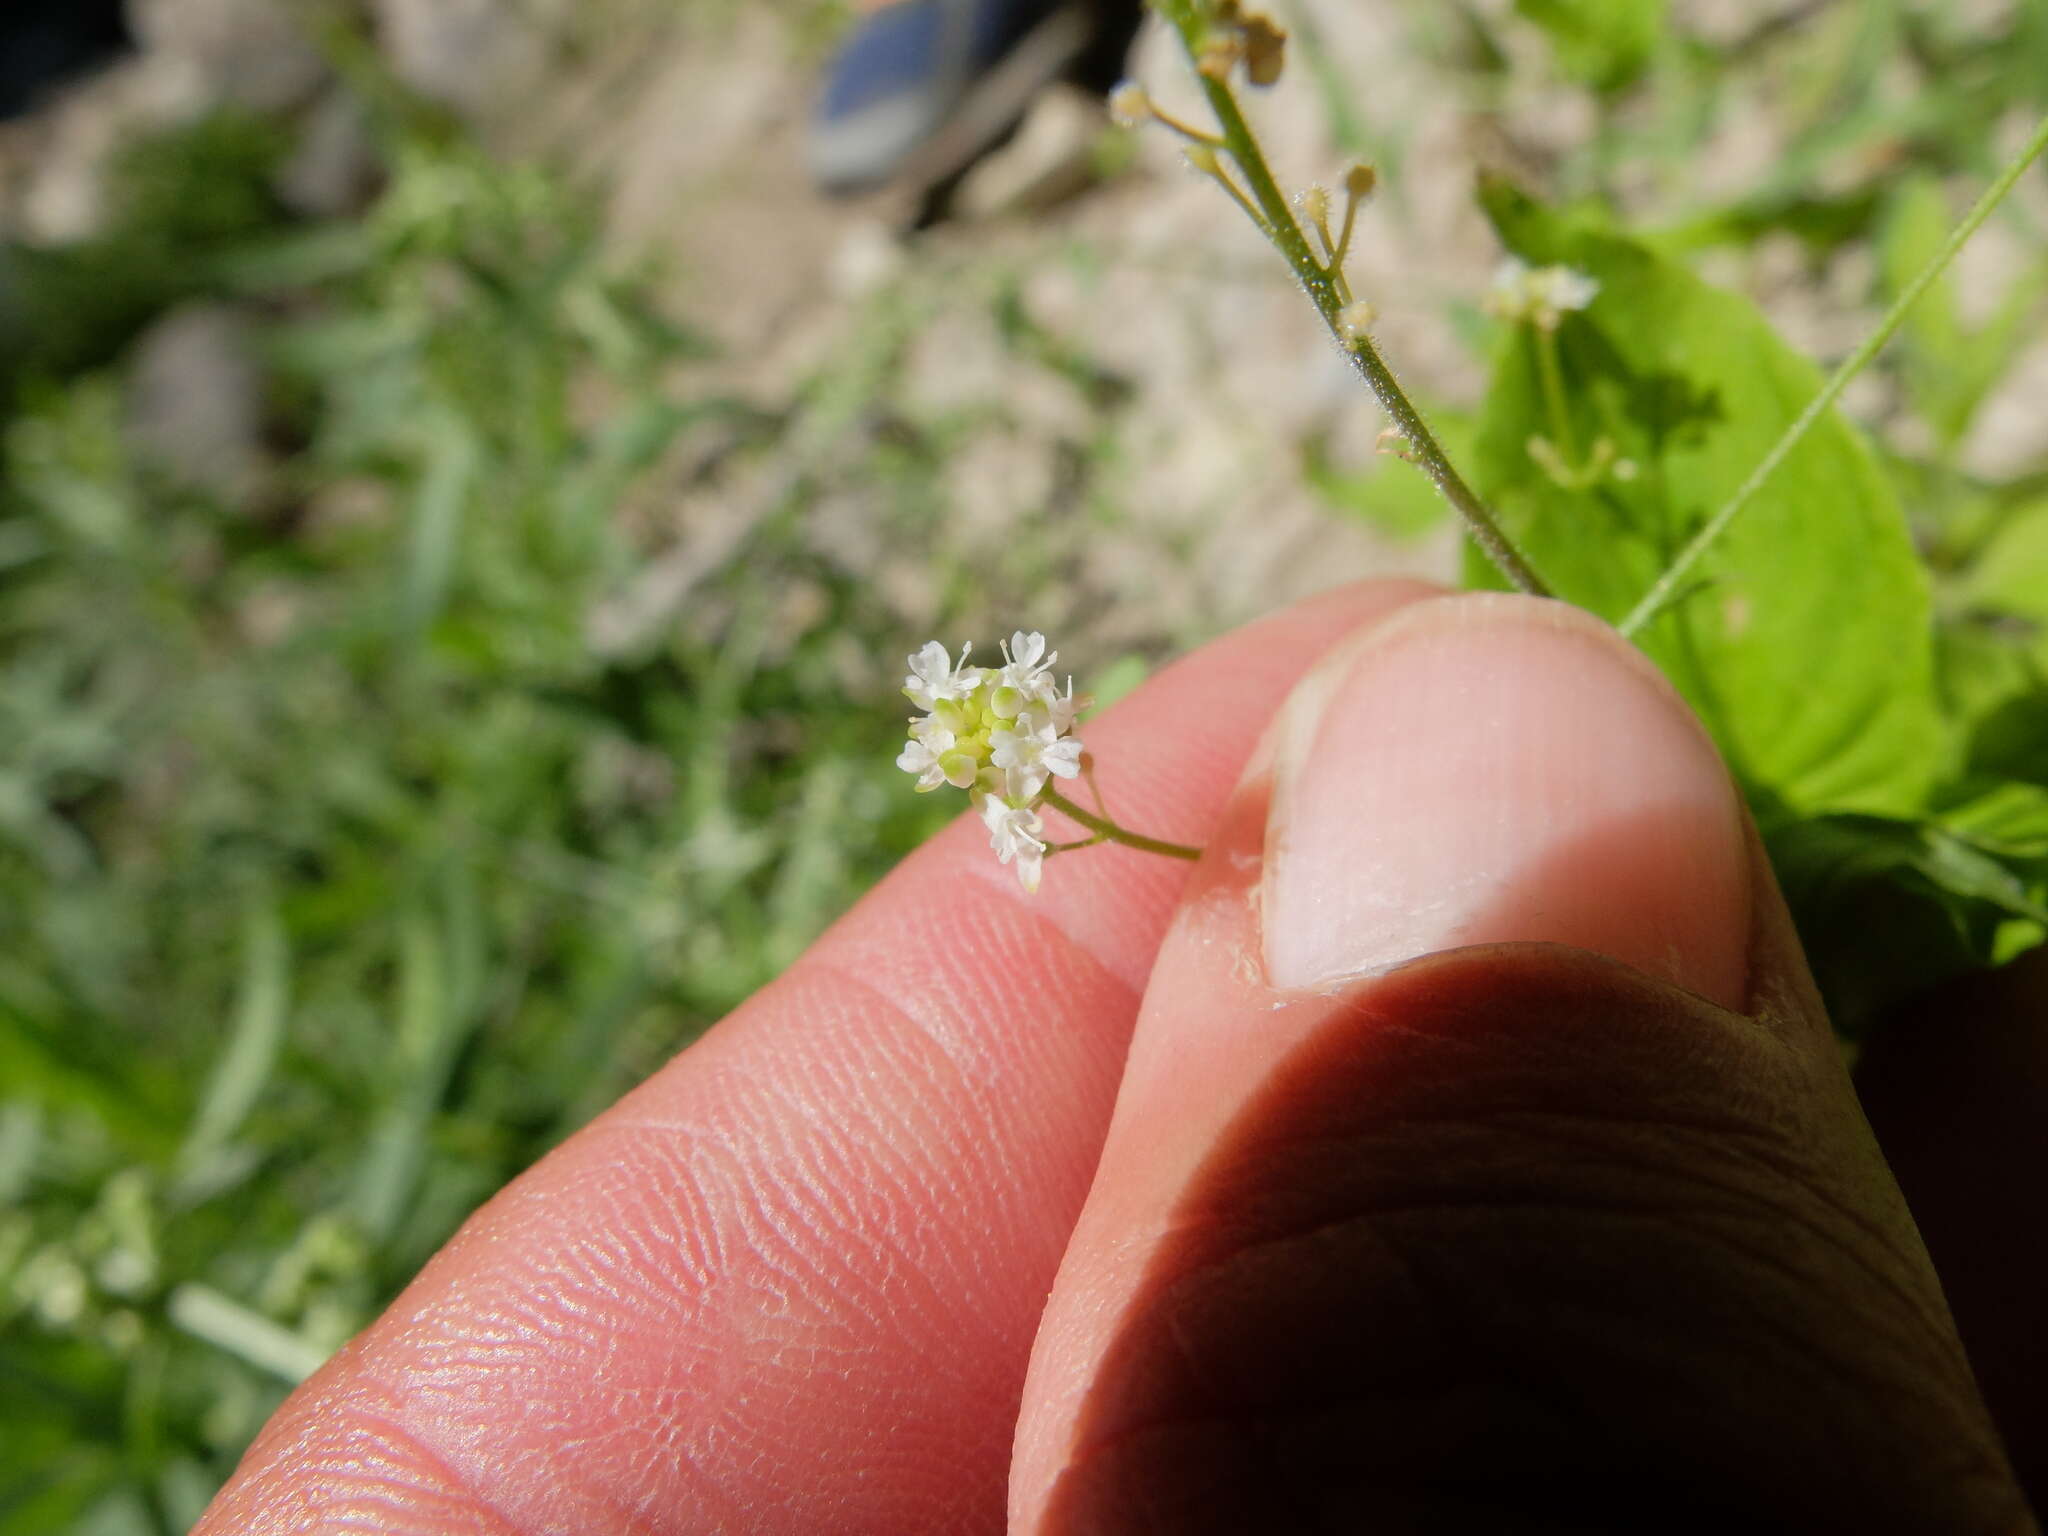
<point x="1025" y="664"/>
<point x="1064" y="709"/>
<point x="934" y="676"/>
<point x="929" y="742"/>
<point x="1540" y="295"/>
<point x="1001" y="733"/>
<point x="1562" y="288"/>
<point x="1507" y="294"/>
<point x="1016" y="836"/>
<point x="1032" y="748"/>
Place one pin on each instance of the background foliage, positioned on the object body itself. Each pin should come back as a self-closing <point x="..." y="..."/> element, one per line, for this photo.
<point x="360" y="836"/>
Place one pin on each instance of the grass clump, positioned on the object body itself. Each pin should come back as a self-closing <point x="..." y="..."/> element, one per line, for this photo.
<point x="365" y="824"/>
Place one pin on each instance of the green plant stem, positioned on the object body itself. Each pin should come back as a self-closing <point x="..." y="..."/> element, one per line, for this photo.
<point x="1109" y="832"/>
<point x="1327" y="292"/>
<point x="1553" y="394"/>
<point x="1662" y="593"/>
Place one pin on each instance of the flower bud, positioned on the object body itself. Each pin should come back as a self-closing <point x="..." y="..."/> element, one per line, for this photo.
<point x="1219" y="57"/>
<point x="1315" y="204"/>
<point x="1354" y="321"/>
<point x="961" y="769"/>
<point x="1265" y="50"/>
<point x="1360" y="179"/>
<point x="1130" y="105"/>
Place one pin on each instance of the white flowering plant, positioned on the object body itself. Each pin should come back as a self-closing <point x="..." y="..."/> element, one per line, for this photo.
<point x="1005" y="735"/>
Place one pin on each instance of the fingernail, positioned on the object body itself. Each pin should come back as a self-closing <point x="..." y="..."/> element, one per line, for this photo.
<point x="1485" y="769"/>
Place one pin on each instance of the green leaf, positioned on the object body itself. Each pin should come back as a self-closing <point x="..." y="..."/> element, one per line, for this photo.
<point x="2010" y="821"/>
<point x="1602" y="43"/>
<point x="1887" y="909"/>
<point x="2010" y="576"/>
<point x="1807" y="648"/>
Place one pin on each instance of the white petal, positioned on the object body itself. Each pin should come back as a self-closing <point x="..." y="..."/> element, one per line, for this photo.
<point x="1063" y="758"/>
<point x="1023" y="783"/>
<point x="1029" y="861"/>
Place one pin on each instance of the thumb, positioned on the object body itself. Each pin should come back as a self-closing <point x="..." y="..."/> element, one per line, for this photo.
<point x="1512" y="1236"/>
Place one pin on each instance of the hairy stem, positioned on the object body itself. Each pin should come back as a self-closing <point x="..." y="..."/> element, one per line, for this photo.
<point x="1327" y="290"/>
<point x="1108" y="831"/>
<point x="1664" y="592"/>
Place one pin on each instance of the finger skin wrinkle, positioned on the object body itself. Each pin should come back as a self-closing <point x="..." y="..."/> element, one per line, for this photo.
<point x="1119" y="936"/>
<point x="775" y="1244"/>
<point x="363" y="1472"/>
<point x="1702" y="1157"/>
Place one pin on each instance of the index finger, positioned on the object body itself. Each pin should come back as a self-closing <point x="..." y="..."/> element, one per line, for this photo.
<point x="790" y="1283"/>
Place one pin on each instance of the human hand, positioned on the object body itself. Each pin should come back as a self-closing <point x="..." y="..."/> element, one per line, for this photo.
<point x="1513" y="1237"/>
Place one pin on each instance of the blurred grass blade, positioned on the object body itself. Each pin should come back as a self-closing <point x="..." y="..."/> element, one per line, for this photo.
<point x="245" y="1066"/>
<point x="452" y="459"/>
<point x="21" y="1137"/>
<point x="250" y="1337"/>
<point x="440" y="976"/>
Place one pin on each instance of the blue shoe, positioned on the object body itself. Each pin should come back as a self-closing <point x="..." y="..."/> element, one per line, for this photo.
<point x="922" y="87"/>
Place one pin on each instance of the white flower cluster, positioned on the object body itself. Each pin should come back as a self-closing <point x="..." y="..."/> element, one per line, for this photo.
<point x="1541" y="295"/>
<point x="1000" y="733"/>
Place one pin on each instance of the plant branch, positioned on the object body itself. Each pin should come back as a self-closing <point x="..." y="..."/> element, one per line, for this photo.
<point x="1106" y="830"/>
<point x="1660" y="595"/>
<point x="1327" y="290"/>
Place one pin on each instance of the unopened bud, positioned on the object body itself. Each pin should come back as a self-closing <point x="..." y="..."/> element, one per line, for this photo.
<point x="1354" y="321"/>
<point x="1202" y="159"/>
<point x="1130" y="105"/>
<point x="1219" y="57"/>
<point x="1265" y="50"/>
<point x="1315" y="204"/>
<point x="1360" y="179"/>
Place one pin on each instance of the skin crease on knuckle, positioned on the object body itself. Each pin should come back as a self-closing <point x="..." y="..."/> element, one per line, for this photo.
<point x="1528" y="1319"/>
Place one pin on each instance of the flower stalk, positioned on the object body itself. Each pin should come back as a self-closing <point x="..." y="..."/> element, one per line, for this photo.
<point x="1107" y="831"/>
<point x="1203" y="27"/>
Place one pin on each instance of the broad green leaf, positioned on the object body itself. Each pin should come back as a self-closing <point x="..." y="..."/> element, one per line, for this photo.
<point x="1807" y="646"/>
<point x="1604" y="43"/>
